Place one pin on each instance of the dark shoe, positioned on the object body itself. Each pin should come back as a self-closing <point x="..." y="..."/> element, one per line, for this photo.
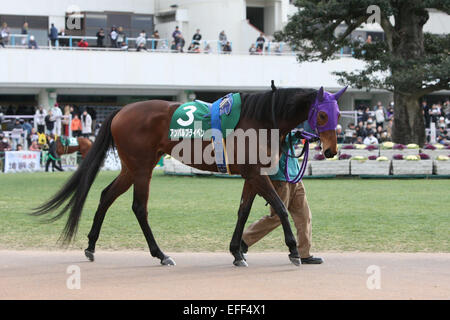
<point x="312" y="260"/>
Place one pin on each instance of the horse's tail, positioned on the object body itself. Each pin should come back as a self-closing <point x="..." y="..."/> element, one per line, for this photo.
<point x="75" y="190"/>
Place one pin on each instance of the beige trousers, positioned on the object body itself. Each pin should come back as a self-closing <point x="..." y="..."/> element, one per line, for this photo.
<point x="294" y="198"/>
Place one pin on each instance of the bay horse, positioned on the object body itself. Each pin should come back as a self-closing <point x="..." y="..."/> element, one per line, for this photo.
<point x="139" y="132"/>
<point x="84" y="145"/>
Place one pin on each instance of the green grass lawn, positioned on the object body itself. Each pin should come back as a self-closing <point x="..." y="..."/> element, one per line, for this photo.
<point x="199" y="214"/>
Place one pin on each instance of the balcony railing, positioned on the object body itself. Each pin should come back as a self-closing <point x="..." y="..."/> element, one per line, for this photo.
<point x="153" y="45"/>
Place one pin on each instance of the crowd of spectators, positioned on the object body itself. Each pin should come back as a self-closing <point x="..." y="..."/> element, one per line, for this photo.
<point x="55" y="121"/>
<point x="373" y="126"/>
<point x="117" y="38"/>
<point x="439" y="115"/>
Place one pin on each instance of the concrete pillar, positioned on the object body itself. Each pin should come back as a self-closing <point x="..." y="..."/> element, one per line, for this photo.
<point x="185" y="96"/>
<point x="47" y="98"/>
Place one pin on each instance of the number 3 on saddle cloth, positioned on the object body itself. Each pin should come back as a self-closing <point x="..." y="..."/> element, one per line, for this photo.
<point x="204" y="120"/>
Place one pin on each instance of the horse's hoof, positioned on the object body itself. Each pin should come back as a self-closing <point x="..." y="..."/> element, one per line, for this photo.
<point x="295" y="261"/>
<point x="240" y="263"/>
<point x="89" y="255"/>
<point x="168" y="261"/>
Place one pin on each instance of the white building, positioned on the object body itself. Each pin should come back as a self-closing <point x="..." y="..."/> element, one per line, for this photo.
<point x="114" y="77"/>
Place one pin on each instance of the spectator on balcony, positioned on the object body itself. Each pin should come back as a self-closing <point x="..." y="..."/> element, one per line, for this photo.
<point x="100" y="38"/>
<point x="194" y="48"/>
<point x="32" y="44"/>
<point x="113" y="34"/>
<point x="155" y="42"/>
<point x="175" y="34"/>
<point x="76" y="126"/>
<point x="39" y="119"/>
<point x="62" y="42"/>
<point x="86" y="124"/>
<point x="260" y="42"/>
<point x="227" y="48"/>
<point x="141" y="41"/>
<point x="222" y="39"/>
<point x="196" y="38"/>
<point x="4" y="35"/>
<point x="121" y="38"/>
<point x="207" y="49"/>
<point x="181" y="42"/>
<point x="83" y="43"/>
<point x="53" y="35"/>
<point x="252" y="49"/>
<point x="173" y="46"/>
<point x="277" y="49"/>
<point x="24" y="33"/>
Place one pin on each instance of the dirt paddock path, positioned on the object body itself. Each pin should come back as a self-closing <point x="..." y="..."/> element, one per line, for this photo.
<point x="135" y="275"/>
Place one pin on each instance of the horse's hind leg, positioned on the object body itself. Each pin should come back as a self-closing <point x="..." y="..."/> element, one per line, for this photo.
<point x="248" y="195"/>
<point x="140" y="200"/>
<point x="121" y="184"/>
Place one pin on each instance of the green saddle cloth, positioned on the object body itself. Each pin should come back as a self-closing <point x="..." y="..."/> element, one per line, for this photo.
<point x="191" y="120"/>
<point x="69" y="142"/>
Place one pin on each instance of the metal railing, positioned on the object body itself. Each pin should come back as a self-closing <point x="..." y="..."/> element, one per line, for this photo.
<point x="152" y="44"/>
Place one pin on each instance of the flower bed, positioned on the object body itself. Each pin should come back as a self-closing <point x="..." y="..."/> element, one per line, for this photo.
<point x="380" y="167"/>
<point x="389" y="149"/>
<point x="412" y="167"/>
<point x="389" y="153"/>
<point x="441" y="167"/>
<point x="330" y="167"/>
<point x="436" y="153"/>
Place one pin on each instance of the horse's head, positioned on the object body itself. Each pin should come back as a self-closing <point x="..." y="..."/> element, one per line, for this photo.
<point x="323" y="117"/>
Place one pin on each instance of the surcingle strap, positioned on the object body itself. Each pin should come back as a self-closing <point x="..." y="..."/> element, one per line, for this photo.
<point x="219" y="107"/>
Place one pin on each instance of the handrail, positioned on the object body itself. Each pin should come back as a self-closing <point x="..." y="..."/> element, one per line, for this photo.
<point x="215" y="47"/>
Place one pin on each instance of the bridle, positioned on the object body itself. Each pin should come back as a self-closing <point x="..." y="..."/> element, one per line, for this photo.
<point x="302" y="134"/>
<point x="324" y="102"/>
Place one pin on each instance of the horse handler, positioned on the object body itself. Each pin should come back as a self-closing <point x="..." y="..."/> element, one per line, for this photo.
<point x="294" y="198"/>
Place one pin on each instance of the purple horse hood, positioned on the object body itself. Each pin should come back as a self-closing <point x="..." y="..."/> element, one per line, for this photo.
<point x="326" y="102"/>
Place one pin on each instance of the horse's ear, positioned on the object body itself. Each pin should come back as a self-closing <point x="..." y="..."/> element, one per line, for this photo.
<point x="338" y="94"/>
<point x="320" y="94"/>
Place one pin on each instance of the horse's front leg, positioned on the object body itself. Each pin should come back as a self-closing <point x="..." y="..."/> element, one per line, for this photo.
<point x="248" y="195"/>
<point x="264" y="187"/>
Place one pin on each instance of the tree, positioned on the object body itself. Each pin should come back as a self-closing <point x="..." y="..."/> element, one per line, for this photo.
<point x="409" y="62"/>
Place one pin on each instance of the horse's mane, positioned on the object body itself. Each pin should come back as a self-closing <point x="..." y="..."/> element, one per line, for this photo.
<point x="288" y="102"/>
